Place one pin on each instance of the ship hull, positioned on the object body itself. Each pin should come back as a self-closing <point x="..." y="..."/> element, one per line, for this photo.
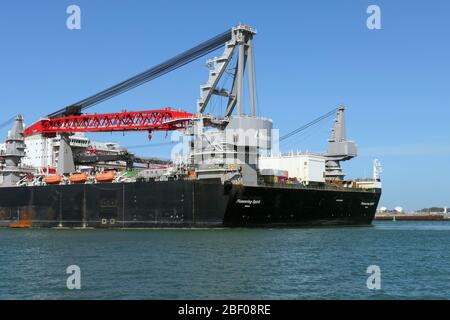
<point x="183" y="203"/>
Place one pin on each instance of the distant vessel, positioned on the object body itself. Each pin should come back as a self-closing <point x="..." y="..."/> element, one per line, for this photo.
<point x="223" y="180"/>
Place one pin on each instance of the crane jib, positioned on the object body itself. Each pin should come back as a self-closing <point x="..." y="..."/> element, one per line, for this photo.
<point x="150" y="74"/>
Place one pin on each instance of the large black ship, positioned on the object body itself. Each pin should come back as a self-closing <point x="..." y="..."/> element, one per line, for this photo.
<point x="182" y="203"/>
<point x="228" y="174"/>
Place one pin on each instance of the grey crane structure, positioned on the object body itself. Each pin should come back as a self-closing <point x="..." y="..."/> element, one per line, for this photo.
<point x="339" y="148"/>
<point x="14" y="152"/>
<point x="239" y="136"/>
<point x="241" y="41"/>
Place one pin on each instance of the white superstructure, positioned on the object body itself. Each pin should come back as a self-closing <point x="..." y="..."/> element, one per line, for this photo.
<point x="42" y="152"/>
<point x="305" y="168"/>
<point x="39" y="152"/>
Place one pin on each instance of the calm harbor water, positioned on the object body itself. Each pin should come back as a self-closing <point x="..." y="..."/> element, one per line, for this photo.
<point x="318" y="263"/>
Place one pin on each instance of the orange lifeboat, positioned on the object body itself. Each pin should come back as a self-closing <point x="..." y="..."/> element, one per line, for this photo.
<point x="22" y="224"/>
<point x="107" y="176"/>
<point x="78" y="178"/>
<point x="53" y="179"/>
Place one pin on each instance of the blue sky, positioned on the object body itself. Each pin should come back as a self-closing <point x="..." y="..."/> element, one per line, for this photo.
<point x="310" y="57"/>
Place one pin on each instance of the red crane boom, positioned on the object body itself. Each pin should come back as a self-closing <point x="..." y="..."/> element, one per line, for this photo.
<point x="151" y="120"/>
<point x="70" y="119"/>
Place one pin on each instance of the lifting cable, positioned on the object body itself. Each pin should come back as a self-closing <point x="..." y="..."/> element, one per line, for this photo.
<point x="309" y="124"/>
<point x="152" y="73"/>
<point x="7" y="122"/>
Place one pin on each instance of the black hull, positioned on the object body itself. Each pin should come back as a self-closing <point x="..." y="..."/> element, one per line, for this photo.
<point x="184" y="204"/>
